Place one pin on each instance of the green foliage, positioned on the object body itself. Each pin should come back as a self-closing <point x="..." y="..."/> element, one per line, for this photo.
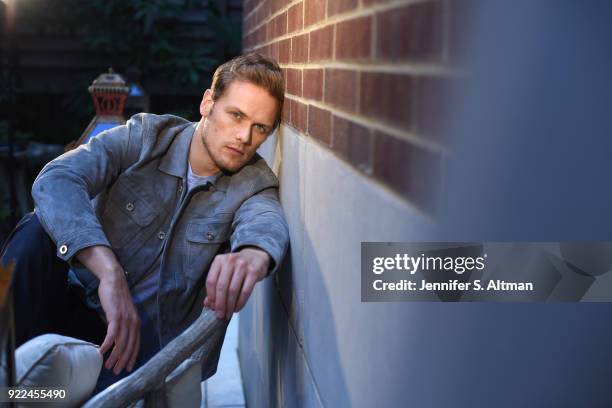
<point x="153" y="36"/>
<point x="148" y="34"/>
<point x="19" y="136"/>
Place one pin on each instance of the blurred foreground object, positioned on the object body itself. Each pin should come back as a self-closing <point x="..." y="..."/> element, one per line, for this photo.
<point x="531" y="128"/>
<point x="7" y="327"/>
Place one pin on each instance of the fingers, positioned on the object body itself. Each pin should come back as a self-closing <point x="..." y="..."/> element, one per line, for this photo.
<point x="247" y="289"/>
<point x="128" y="353"/>
<point x="234" y="287"/>
<point x="132" y="361"/>
<point x="223" y="282"/>
<point x="111" y="333"/>
<point x="120" y="343"/>
<point x="231" y="280"/>
<point x="211" y="281"/>
<point x="124" y="332"/>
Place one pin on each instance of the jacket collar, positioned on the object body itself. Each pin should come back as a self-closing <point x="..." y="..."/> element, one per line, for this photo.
<point x="175" y="161"/>
<point x="176" y="158"/>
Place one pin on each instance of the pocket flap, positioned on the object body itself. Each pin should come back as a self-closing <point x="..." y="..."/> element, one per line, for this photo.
<point x="134" y="206"/>
<point x="213" y="231"/>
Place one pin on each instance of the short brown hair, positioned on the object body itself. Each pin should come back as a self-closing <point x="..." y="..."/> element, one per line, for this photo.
<point x="253" y="68"/>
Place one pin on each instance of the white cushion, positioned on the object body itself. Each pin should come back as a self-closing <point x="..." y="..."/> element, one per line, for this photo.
<point x="52" y="360"/>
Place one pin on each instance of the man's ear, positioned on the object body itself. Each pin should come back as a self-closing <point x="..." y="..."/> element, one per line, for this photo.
<point x="207" y="103"/>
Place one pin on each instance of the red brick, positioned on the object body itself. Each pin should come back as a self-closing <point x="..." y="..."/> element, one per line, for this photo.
<point x="314" y="11"/>
<point x="276" y="5"/>
<point x="265" y="50"/>
<point x="284" y="70"/>
<point x="411" y="170"/>
<point x="319" y="124"/>
<point x="273" y="50"/>
<point x="340" y="6"/>
<point x="247" y="24"/>
<point x="370" y="2"/>
<point x="287" y="111"/>
<point x="261" y="34"/>
<point x="248" y="5"/>
<point x="299" y="115"/>
<point x="353" y="142"/>
<point x="246" y="41"/>
<point x="418" y="25"/>
<point x="284" y="51"/>
<point x="341" y="88"/>
<point x="322" y="44"/>
<point x="269" y="26"/>
<point x="263" y="12"/>
<point x="299" y="48"/>
<point x="313" y="84"/>
<point x="296" y="17"/>
<point x="280" y="25"/>
<point x="353" y="38"/>
<point x="258" y="16"/>
<point x="387" y="97"/>
<point x="294" y="82"/>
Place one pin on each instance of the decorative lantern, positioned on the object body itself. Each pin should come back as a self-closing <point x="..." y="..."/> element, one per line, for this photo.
<point x="109" y="92"/>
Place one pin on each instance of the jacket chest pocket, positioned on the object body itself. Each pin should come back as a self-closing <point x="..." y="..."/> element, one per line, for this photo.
<point x="204" y="239"/>
<point x="127" y="217"/>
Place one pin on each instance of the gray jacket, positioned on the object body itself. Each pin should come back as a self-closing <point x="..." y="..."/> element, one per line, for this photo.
<point x="126" y="189"/>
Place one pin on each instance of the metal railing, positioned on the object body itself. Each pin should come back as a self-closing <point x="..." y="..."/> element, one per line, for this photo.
<point x="146" y="386"/>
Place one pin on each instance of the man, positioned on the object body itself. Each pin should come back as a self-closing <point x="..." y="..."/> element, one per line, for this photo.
<point x="152" y="221"/>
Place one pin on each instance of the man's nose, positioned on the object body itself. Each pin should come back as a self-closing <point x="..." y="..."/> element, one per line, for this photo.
<point x="244" y="134"/>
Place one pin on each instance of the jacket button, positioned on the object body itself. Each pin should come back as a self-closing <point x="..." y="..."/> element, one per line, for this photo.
<point x="210" y="236"/>
<point x="129" y="206"/>
<point x="63" y="249"/>
<point x="161" y="235"/>
<point x="180" y="188"/>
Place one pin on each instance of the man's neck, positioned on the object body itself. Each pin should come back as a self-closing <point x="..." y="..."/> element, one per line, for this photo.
<point x="199" y="158"/>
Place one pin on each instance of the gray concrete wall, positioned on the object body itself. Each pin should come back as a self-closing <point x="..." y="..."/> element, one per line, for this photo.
<point x="306" y="340"/>
<point x="310" y="323"/>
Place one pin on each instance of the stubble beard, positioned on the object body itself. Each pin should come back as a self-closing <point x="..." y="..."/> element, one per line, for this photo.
<point x="217" y="161"/>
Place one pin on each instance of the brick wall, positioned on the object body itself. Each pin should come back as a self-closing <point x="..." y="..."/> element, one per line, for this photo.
<point x="368" y="79"/>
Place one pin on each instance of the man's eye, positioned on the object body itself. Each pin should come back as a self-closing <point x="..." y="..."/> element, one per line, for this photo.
<point x="261" y="129"/>
<point x="236" y="115"/>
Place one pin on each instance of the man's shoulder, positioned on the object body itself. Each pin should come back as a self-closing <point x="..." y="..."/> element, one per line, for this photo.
<point x="154" y="124"/>
<point x="258" y="171"/>
<point x="157" y="131"/>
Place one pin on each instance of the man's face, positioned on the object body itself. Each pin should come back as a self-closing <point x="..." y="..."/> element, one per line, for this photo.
<point x="236" y="124"/>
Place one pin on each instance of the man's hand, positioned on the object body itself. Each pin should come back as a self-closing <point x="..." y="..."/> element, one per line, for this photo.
<point x="231" y="279"/>
<point x="123" y="328"/>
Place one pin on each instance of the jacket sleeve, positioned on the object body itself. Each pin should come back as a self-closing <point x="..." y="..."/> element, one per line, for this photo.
<point x="64" y="188"/>
<point x="260" y="222"/>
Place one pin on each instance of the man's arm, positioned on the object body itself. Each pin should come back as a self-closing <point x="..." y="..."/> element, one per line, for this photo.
<point x="259" y="240"/>
<point x="63" y="190"/>
<point x="62" y="195"/>
<point x="123" y="321"/>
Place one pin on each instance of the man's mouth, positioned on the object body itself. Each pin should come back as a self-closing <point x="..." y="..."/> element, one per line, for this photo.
<point x="235" y="150"/>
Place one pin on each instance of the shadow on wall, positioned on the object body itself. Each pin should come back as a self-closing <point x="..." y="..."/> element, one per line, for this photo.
<point x="276" y="362"/>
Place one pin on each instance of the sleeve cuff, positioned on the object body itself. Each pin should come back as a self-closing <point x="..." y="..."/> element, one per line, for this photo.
<point x="273" y="251"/>
<point x="67" y="247"/>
